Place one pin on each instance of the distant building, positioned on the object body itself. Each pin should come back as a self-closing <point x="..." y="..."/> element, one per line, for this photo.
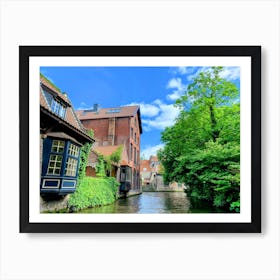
<point x="152" y="177"/>
<point x="118" y="126"/>
<point x="62" y="136"/>
<point x="149" y="169"/>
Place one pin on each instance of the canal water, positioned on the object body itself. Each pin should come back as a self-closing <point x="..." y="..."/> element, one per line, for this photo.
<point x="147" y="203"/>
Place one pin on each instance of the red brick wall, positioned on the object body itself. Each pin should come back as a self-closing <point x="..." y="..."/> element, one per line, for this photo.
<point x="122" y="136"/>
<point x="90" y="171"/>
<point x="100" y="128"/>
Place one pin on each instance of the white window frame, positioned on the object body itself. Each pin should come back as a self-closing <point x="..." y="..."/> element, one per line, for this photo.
<point x="57" y="144"/>
<point x="71" y="167"/>
<point x="55" y="167"/>
<point x="73" y="150"/>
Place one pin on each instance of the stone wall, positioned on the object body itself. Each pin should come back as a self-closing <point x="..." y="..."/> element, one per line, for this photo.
<point x="157" y="184"/>
<point x="53" y="204"/>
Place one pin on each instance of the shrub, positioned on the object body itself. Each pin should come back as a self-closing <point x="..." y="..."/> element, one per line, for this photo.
<point x="94" y="192"/>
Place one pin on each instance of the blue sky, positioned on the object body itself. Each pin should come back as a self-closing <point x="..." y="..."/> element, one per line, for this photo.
<point x="154" y="88"/>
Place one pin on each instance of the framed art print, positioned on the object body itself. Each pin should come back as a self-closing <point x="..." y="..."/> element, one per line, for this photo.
<point x="140" y="138"/>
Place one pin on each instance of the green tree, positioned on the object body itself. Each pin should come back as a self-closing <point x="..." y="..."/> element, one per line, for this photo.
<point x="202" y="147"/>
<point x="210" y="91"/>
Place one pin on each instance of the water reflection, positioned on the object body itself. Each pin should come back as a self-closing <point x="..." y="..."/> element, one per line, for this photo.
<point x="147" y="203"/>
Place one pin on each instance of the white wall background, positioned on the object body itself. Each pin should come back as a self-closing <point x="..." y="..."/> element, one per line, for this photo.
<point x="139" y="256"/>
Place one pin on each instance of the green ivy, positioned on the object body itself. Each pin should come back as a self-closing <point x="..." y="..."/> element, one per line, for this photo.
<point x="100" y="167"/>
<point x="104" y="163"/>
<point x="93" y="192"/>
<point x="84" y="153"/>
<point x="115" y="157"/>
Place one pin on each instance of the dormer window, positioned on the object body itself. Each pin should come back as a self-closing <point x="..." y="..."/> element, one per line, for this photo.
<point x="58" y="108"/>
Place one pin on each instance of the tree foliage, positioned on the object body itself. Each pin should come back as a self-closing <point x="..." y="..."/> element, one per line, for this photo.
<point x="202" y="147"/>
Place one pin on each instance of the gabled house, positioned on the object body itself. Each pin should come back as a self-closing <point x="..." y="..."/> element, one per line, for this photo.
<point x="62" y="136"/>
<point x="118" y="126"/>
<point x="149" y="170"/>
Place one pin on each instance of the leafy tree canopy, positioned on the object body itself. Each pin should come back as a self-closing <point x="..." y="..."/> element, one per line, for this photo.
<point x="202" y="147"/>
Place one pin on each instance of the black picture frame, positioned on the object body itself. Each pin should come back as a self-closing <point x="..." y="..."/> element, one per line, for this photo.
<point x="254" y="52"/>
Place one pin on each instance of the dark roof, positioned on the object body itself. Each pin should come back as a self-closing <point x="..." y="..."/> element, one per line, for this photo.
<point x="70" y="115"/>
<point x="105" y="113"/>
<point x="62" y="135"/>
<point x="114" y="112"/>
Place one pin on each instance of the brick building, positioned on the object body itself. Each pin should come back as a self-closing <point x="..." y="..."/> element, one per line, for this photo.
<point x="118" y="126"/>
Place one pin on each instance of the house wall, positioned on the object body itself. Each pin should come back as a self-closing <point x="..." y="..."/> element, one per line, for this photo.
<point x="90" y="171"/>
<point x="126" y="132"/>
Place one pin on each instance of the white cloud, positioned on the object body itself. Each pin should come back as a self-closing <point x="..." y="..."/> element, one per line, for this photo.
<point x="147" y="110"/>
<point x="228" y="73"/>
<point x="157" y="115"/>
<point x="175" y="83"/>
<point x="175" y="95"/>
<point x="83" y="106"/>
<point x="178" y="86"/>
<point x="166" y="117"/>
<point x="195" y="74"/>
<point x="151" y="150"/>
<point x="231" y="73"/>
<point x="182" y="70"/>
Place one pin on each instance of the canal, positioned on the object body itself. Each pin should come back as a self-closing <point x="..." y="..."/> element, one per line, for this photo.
<point x="147" y="203"/>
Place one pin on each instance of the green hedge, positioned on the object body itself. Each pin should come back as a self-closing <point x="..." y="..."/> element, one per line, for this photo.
<point x="94" y="192"/>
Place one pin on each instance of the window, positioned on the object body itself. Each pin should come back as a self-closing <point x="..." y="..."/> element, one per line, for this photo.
<point x="135" y="137"/>
<point x="72" y="160"/>
<point x="55" y="163"/>
<point x="58" y="108"/>
<point x="58" y="146"/>
<point x="135" y="155"/>
<point x="131" y="132"/>
<point x="71" y="167"/>
<point x="73" y="150"/>
<point x="128" y="174"/>
<point x="117" y="110"/>
<point x="131" y="151"/>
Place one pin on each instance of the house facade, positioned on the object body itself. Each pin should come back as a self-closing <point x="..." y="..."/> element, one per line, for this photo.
<point x="152" y="177"/>
<point x="149" y="170"/>
<point x="118" y="126"/>
<point x="62" y="136"/>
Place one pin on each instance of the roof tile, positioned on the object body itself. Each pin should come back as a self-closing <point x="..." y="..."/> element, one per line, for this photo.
<point x="70" y="115"/>
<point x="107" y="113"/>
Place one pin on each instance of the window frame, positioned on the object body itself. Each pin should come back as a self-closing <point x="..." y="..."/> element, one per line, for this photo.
<point x="69" y="157"/>
<point x="57" y="107"/>
<point x="55" y="154"/>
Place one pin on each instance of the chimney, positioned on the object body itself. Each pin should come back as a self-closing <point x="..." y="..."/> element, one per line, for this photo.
<point x="95" y="107"/>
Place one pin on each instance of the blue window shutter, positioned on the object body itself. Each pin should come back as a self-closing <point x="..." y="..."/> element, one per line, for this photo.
<point x="47" y="145"/>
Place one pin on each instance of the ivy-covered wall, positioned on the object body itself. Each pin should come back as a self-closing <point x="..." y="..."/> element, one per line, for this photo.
<point x="94" y="191"/>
